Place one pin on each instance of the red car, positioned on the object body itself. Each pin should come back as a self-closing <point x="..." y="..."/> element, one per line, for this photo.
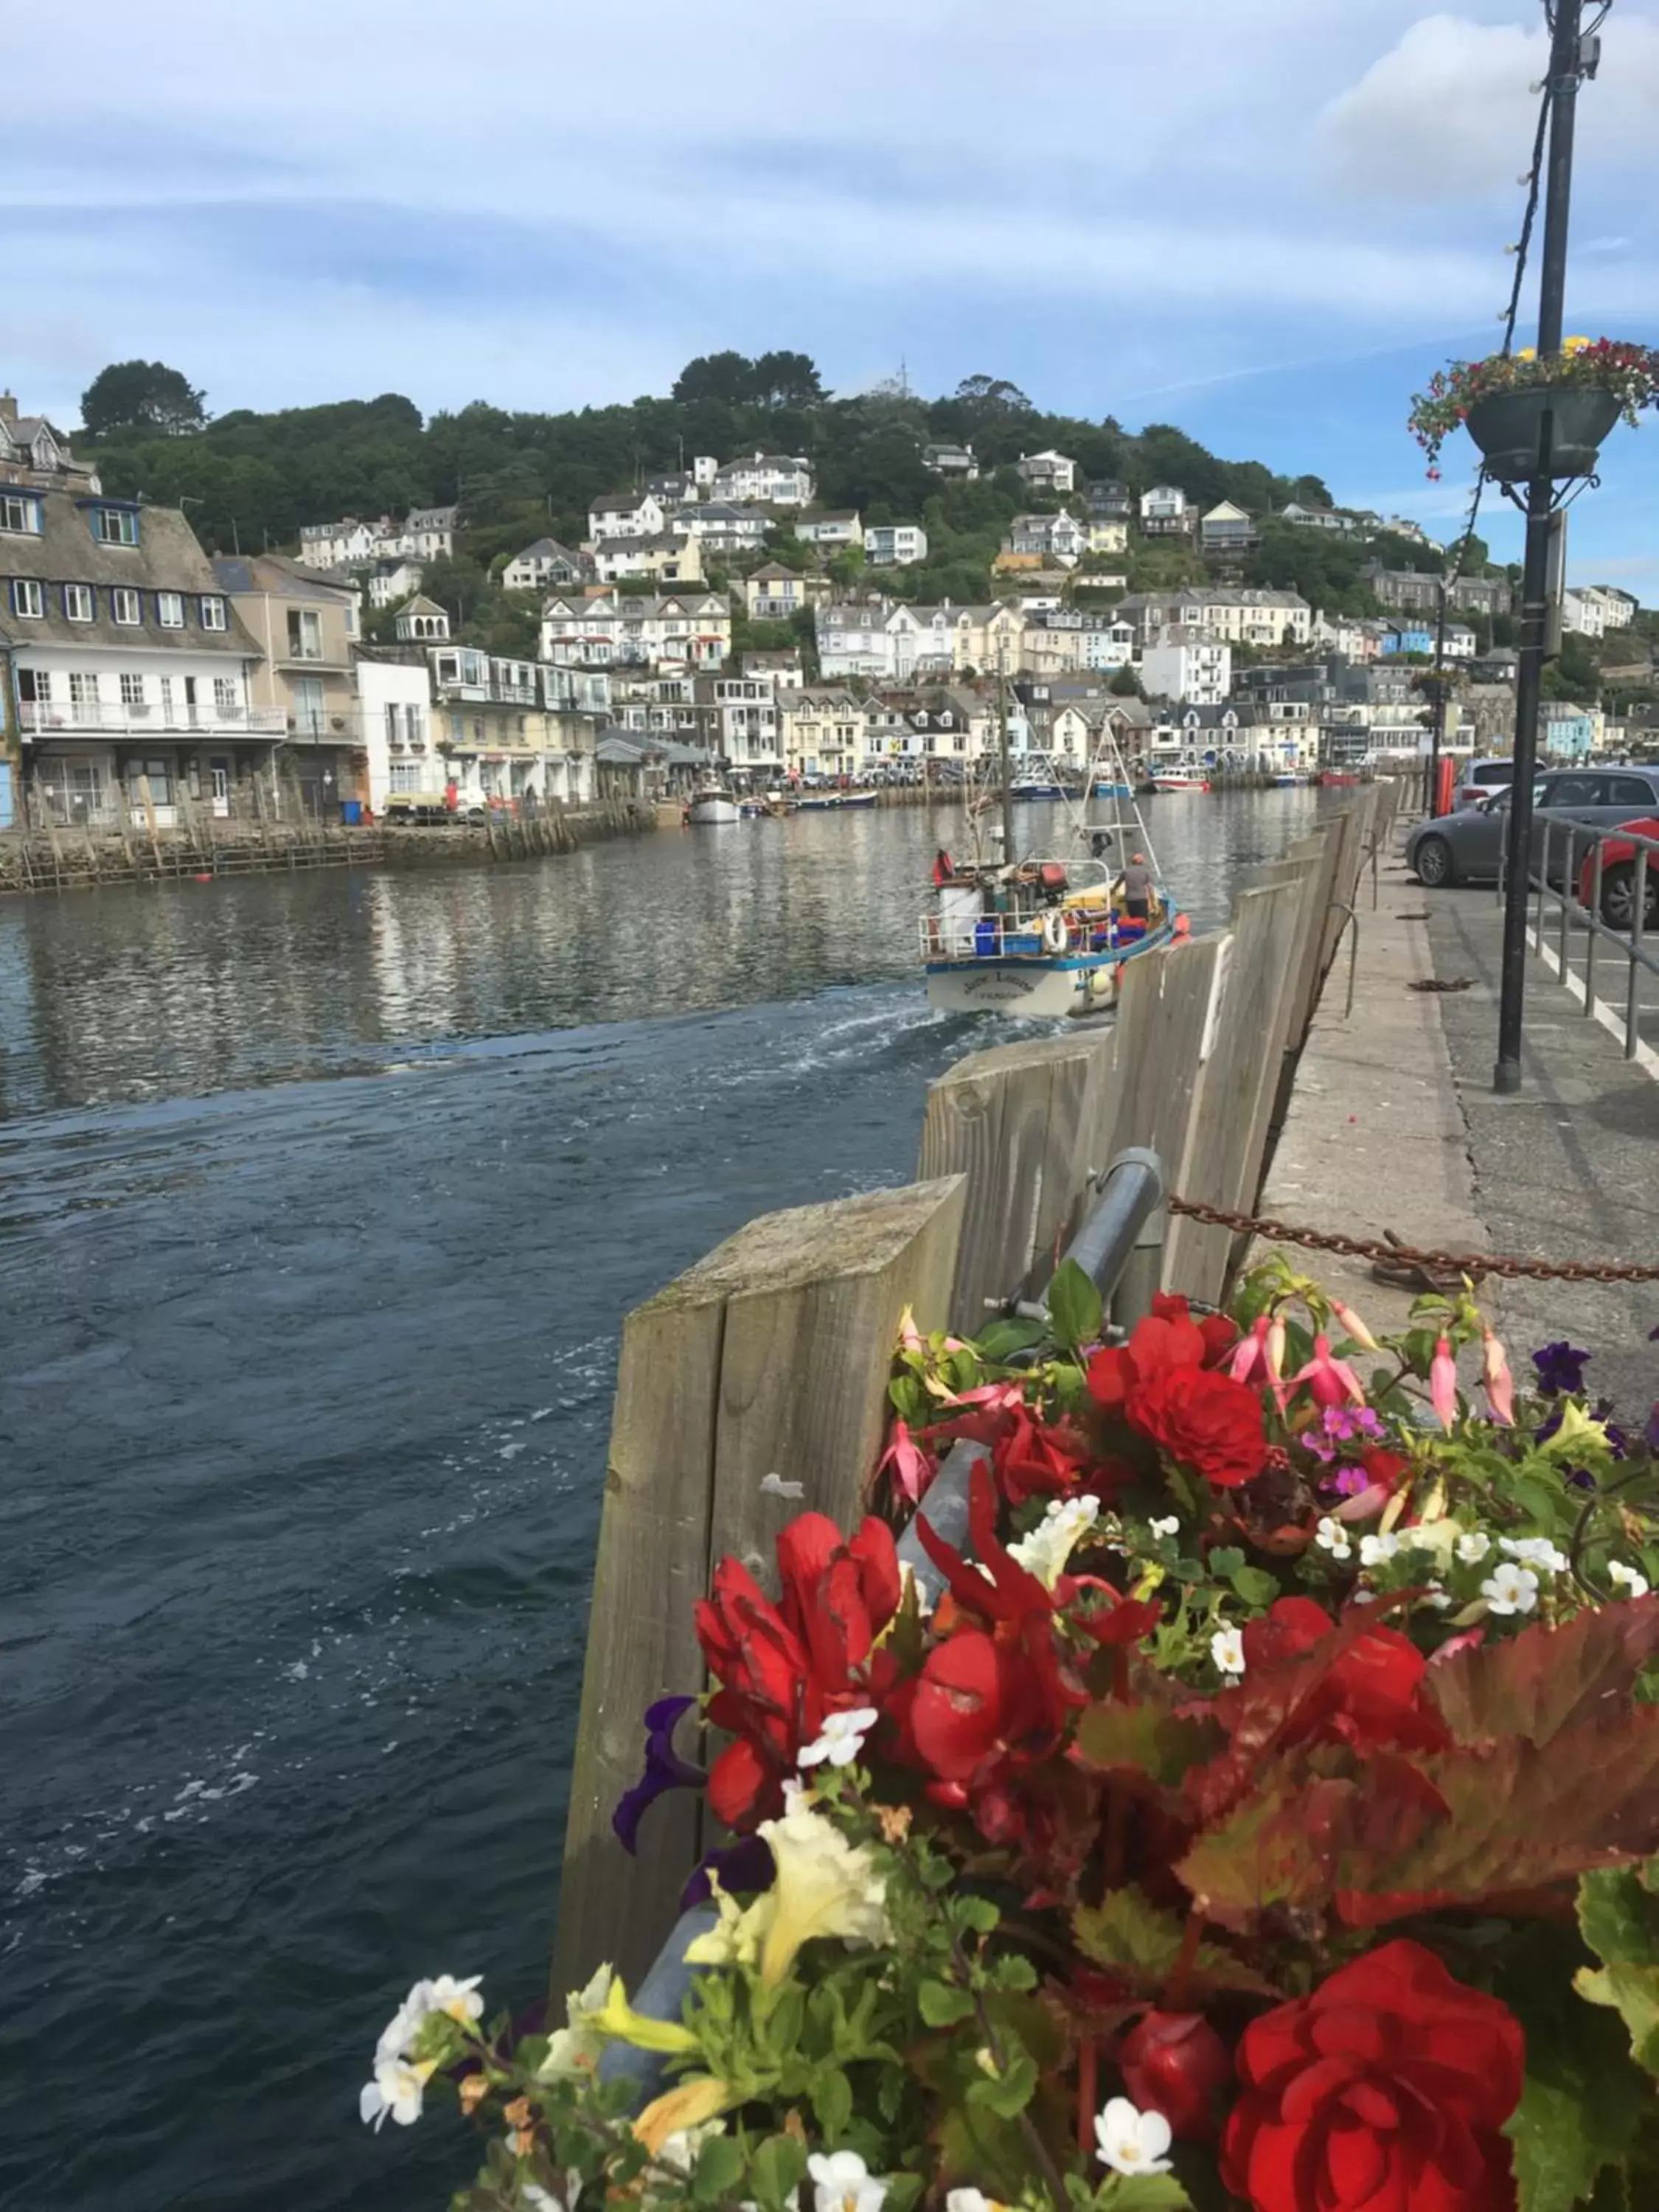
<point x="1619" y="878"/>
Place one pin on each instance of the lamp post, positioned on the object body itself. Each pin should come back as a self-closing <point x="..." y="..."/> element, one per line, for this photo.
<point x="1567" y="66"/>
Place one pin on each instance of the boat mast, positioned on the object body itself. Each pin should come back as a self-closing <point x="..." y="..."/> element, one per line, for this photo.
<point x="1002" y="755"/>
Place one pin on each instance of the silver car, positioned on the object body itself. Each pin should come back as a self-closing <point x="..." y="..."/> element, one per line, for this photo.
<point x="1466" y="848"/>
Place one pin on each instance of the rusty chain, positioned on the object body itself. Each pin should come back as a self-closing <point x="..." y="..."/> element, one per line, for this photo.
<point x="1475" y="1265"/>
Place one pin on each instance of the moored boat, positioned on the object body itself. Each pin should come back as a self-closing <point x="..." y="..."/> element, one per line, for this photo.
<point x="1178" y="780"/>
<point x="713" y="805"/>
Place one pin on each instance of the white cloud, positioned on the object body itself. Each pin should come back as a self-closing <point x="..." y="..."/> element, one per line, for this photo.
<point x="1449" y="111"/>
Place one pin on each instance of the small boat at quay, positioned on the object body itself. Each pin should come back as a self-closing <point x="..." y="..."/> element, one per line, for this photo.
<point x="1045" y="934"/>
<point x="828" y="802"/>
<point x="1178" y="780"/>
<point x="713" y="806"/>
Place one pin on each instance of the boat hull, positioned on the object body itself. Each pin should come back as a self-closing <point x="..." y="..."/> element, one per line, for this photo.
<point x="715" y="813"/>
<point x="1043" y="989"/>
<point x="1180" y="783"/>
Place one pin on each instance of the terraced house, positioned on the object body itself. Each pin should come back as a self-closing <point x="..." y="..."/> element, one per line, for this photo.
<point x="129" y="670"/>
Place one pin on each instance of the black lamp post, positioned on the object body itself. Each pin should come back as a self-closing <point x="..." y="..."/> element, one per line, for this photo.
<point x="1554" y="442"/>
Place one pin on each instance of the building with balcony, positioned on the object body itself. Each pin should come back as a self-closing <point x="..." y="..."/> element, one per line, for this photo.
<point x="306" y="629"/>
<point x="504" y="731"/>
<point x="895" y="545"/>
<point x="544" y="567"/>
<point x="834" y="527"/>
<point x="1048" y="472"/>
<point x="776" y="479"/>
<point x="669" y="558"/>
<point x="1225" y="528"/>
<point x="956" y="463"/>
<point x="1198" y="670"/>
<point x="130" y="673"/>
<point x="775" y="593"/>
<point x="1166" y="512"/>
<point x="620" y="629"/>
<point x="739" y="722"/>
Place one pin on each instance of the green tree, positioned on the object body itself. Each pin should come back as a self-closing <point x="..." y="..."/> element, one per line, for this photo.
<point x="148" y="395"/>
<point x="722" y="376"/>
<point x="785" y="380"/>
<point x="1126" y="685"/>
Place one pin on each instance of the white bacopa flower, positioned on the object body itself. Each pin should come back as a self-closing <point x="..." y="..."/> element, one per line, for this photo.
<point x="842" y="1738"/>
<point x="1511" y="1588"/>
<point x="543" y="2200"/>
<point x="398" y="2088"/>
<point x="1227" y="1650"/>
<point x="1129" y="2140"/>
<point x="1043" y="1553"/>
<point x="1536" y="1552"/>
<point x="1473" y="1546"/>
<point x="1634" y="1584"/>
<point x="1374" y="1551"/>
<point x="577" y="2047"/>
<point x="1331" y="1536"/>
<point x="1170" y="1527"/>
<point x="971" y="2200"/>
<point x="1438" y="1598"/>
<point x="843" y="2183"/>
<point x="442" y="1994"/>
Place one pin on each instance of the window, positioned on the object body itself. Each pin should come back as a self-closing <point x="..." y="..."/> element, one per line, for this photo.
<point x="351" y="618"/>
<point x="83" y="690"/>
<point x="167" y="700"/>
<point x="126" y="606"/>
<point x="114" y="526"/>
<point x="404" y="775"/>
<point x="1574" y="791"/>
<point x="161" y="786"/>
<point x="34" y="686"/>
<point x="27" y="598"/>
<point x="79" y="602"/>
<point x="305" y="635"/>
<point x="224" y="695"/>
<point x="1629" y="791"/>
<point x="213" y="614"/>
<point x="19" y="513"/>
<point x="170" y="610"/>
<point x="133" y="690"/>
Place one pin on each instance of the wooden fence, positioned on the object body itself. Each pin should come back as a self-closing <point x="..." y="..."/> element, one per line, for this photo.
<point x="754" y="1386"/>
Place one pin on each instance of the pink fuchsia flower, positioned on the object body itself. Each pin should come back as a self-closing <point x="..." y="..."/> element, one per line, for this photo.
<point x="1442" y="1384"/>
<point x="1351" y="1326"/>
<point x="912" y="1469"/>
<point x="1500" y="1383"/>
<point x="1330" y="1380"/>
<point x="1250" y="1362"/>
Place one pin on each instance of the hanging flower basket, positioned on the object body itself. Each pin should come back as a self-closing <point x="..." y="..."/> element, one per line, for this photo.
<point x="1503" y="402"/>
<point x="1542" y="429"/>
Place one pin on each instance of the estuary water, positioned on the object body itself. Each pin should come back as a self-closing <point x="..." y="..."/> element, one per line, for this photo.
<point x="321" y="1201"/>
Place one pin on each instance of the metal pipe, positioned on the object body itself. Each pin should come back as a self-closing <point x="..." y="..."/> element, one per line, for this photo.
<point x="1131" y="1192"/>
<point x="1591" y="934"/>
<point x="1639" y="915"/>
<point x="1566" y="894"/>
<point x="660" y="1995"/>
<point x="945" y="1509"/>
<point x="1543" y="883"/>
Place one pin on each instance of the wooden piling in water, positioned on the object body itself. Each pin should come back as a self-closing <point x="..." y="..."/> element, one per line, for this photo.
<point x="770" y="1357"/>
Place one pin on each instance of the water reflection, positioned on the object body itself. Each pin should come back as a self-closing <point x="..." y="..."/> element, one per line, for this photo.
<point x="132" y="994"/>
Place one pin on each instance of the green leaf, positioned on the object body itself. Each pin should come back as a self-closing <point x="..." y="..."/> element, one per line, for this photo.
<point x="1075" y="1310"/>
<point x="1255" y="1585"/>
<point x="1583" y="2101"/>
<point x="1145" y="1737"/>
<point x="1143" y="2192"/>
<point x="832" y="2100"/>
<point x="776" y="2170"/>
<point x="720" y="2168"/>
<point x="941" y="2006"/>
<point x="1633" y="1993"/>
<point x="1010" y="2092"/>
<point x="977" y="1914"/>
<point x="1141" y="1941"/>
<point x="1225" y="1561"/>
<point x="1003" y="1339"/>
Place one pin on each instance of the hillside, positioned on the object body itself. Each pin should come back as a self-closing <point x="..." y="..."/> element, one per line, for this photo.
<point x="251" y="480"/>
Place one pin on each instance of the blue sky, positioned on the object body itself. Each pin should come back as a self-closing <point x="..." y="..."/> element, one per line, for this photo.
<point x="1267" y="221"/>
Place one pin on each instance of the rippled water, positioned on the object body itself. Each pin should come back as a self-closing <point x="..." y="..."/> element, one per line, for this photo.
<point x="321" y="1202"/>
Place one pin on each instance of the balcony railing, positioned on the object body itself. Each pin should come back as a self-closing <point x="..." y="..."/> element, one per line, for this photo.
<point x="148" y="720"/>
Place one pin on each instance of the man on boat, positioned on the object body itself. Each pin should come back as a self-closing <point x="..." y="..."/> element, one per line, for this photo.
<point x="1137" y="881"/>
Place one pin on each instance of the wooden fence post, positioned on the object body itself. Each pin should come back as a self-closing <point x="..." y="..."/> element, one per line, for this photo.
<point x="771" y="1356"/>
<point x="1237" y="1086"/>
<point x="1145" y="1093"/>
<point x="1011" y="1120"/>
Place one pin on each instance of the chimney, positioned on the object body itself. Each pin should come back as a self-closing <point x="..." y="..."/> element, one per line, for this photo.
<point x="8" y="411"/>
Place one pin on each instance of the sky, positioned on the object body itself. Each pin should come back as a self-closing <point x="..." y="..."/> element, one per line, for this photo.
<point x="1266" y="221"/>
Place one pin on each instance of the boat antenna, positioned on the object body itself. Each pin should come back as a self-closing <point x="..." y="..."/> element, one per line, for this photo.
<point x="1002" y="756"/>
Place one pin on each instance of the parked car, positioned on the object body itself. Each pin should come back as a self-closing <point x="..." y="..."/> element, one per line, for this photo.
<point x="1618" y="880"/>
<point x="1468" y="846"/>
<point x="1480" y="779"/>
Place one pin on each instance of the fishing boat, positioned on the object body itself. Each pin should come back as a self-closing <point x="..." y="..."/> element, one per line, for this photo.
<point x="1178" y="780"/>
<point x="713" y="805"/>
<point x="1037" y="786"/>
<point x="1042" y="934"/>
<point x="1108" y="787"/>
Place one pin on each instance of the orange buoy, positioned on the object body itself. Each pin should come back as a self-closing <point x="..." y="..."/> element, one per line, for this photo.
<point x="1183" y="926"/>
<point x="203" y="879"/>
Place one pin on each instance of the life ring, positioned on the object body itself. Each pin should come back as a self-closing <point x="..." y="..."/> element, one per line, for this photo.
<point x="1103" y="981"/>
<point x="1053" y="931"/>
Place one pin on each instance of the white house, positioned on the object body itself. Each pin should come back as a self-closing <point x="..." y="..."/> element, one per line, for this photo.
<point x="839" y="527"/>
<point x="130" y="667"/>
<point x="544" y="566"/>
<point x="774" y="593"/>
<point x="667" y="559"/>
<point x="1319" y="518"/>
<point x="1234" y="615"/>
<point x="1048" y="472"/>
<point x="823" y="732"/>
<point x="955" y="462"/>
<point x="1197" y="673"/>
<point x="394" y="718"/>
<point x="895" y="545"/>
<point x="777" y="479"/>
<point x="1165" y="511"/>
<point x="1106" y="533"/>
<point x="344" y="544"/>
<point x="428" y="533"/>
<point x="614" y="628"/>
<point x="1057" y="537"/>
<point x="885" y="642"/>
<point x="626" y="514"/>
<point x="740" y="722"/>
<point x="392" y="581"/>
<point x="725" y="528"/>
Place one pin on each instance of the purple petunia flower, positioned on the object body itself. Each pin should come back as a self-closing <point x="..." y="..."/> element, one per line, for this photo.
<point x="665" y="1769"/>
<point x="1343" y="1482"/>
<point x="1560" y="1368"/>
<point x="744" y="1867"/>
<point x="1341" y="1426"/>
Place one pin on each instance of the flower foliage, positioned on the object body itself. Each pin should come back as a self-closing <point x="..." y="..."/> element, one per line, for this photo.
<point x="1259" y="1805"/>
<point x="1630" y="373"/>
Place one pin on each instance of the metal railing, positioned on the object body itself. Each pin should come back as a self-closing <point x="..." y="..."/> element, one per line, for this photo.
<point x="1565" y="853"/>
<point x="147" y="718"/>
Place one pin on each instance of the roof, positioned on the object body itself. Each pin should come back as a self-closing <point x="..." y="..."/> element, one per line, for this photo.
<point x="546" y="549"/>
<point x="772" y="569"/>
<point x="166" y="558"/>
<point x="420" y="604"/>
<point x="243" y="574"/>
<point x="618" y="502"/>
<point x="431" y="518"/>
